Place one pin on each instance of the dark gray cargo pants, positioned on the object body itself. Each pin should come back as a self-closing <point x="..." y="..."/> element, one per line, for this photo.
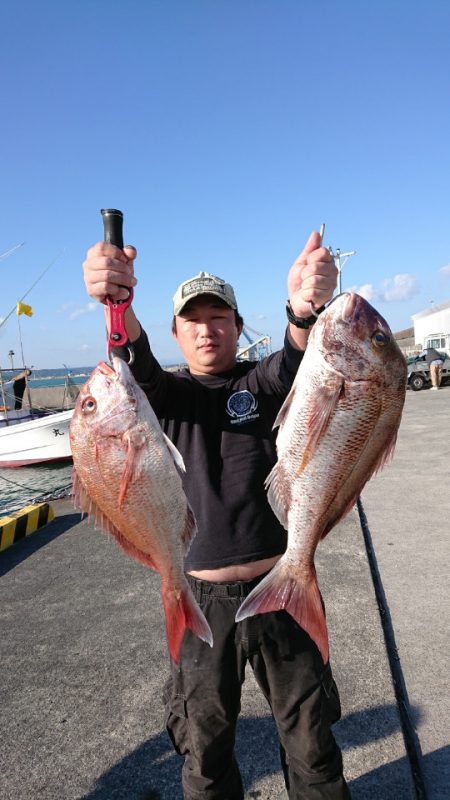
<point x="202" y="699"/>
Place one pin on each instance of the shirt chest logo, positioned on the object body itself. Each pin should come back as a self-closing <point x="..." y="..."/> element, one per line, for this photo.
<point x="241" y="407"/>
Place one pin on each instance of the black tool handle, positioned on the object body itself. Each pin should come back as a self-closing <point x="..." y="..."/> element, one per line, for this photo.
<point x="113" y="226"/>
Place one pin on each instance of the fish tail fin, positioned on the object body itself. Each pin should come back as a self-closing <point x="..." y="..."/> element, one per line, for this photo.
<point x="182" y="612"/>
<point x="300" y="597"/>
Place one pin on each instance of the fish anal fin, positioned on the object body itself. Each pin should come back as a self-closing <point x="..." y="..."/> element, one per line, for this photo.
<point x="190" y="530"/>
<point x="128" y="547"/>
<point x="300" y="597"/>
<point x="279" y="492"/>
<point x="176" y="455"/>
<point x="283" y="412"/>
<point x="358" y="478"/>
<point x="340" y="515"/>
<point x="323" y="405"/>
<point x="182" y="612"/>
<point x="385" y="455"/>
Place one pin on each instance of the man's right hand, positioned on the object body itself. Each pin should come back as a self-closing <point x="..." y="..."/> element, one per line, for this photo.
<point x="107" y="270"/>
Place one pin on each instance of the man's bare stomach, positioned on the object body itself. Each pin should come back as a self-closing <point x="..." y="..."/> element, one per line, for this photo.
<point x="236" y="572"/>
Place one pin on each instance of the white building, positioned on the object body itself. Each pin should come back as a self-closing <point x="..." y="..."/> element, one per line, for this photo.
<point x="432" y="326"/>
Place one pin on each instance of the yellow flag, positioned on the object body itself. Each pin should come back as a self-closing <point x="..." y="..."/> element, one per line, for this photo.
<point x="22" y="308"/>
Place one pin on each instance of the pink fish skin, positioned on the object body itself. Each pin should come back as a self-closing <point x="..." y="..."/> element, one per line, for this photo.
<point x="127" y="474"/>
<point x="337" y="427"/>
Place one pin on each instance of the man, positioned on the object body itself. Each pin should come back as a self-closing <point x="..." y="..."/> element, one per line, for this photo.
<point x="435" y="362"/>
<point x="220" y="414"/>
<point x="19" y="386"/>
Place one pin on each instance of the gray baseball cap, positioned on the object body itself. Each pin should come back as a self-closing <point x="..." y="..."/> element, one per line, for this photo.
<point x="203" y="283"/>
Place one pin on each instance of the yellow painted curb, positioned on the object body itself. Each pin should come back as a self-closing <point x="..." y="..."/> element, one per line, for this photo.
<point x="22" y="523"/>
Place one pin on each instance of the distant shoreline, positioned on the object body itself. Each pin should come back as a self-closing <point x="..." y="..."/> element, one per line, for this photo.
<point x="77" y="377"/>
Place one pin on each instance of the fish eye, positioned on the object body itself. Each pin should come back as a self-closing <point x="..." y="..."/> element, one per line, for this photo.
<point x="380" y="339"/>
<point x="89" y="405"/>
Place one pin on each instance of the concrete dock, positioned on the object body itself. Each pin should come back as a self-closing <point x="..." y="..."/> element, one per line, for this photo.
<point x="83" y="649"/>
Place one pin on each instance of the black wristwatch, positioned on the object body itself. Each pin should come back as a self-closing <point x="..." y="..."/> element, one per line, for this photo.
<point x="302" y="322"/>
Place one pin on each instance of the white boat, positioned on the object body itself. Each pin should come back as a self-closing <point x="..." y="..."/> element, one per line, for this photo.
<point x="14" y="416"/>
<point x="29" y="435"/>
<point x="36" y="441"/>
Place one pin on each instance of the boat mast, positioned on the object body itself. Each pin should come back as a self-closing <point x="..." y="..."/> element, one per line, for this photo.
<point x="3" y="395"/>
<point x="31" y="287"/>
<point x="27" y="386"/>
<point x="11" y="250"/>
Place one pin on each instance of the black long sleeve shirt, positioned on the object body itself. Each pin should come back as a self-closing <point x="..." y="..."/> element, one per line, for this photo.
<point x="222" y="426"/>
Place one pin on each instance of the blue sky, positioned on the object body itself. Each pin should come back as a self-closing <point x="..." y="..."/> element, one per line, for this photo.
<point x="226" y="130"/>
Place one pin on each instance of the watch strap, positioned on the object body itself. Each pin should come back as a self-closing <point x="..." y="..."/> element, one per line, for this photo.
<point x="302" y="322"/>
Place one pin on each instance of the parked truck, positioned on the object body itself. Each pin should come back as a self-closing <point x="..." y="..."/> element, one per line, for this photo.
<point x="418" y="369"/>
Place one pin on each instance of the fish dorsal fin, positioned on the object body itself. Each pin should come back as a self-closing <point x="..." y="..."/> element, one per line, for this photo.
<point x="80" y="498"/>
<point x="323" y="405"/>
<point x="279" y="493"/>
<point x="176" y="455"/>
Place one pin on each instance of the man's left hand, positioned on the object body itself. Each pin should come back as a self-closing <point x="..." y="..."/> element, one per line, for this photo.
<point x="312" y="277"/>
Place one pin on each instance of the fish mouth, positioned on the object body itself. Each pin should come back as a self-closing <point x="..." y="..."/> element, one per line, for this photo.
<point x="107" y="370"/>
<point x="123" y="374"/>
<point x="119" y="371"/>
<point x="350" y="304"/>
<point x="346" y="297"/>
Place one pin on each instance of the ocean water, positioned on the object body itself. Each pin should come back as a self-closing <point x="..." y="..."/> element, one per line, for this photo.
<point x="52" y="377"/>
<point x="47" y="378"/>
<point x="25" y="485"/>
<point x="47" y="383"/>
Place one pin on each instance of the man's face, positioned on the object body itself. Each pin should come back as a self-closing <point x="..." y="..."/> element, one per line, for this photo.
<point x="207" y="334"/>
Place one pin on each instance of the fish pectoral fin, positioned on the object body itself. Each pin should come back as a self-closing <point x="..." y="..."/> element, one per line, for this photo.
<point x="279" y="493"/>
<point x="300" y="597"/>
<point x="135" y="441"/>
<point x="323" y="405"/>
<point x="176" y="455"/>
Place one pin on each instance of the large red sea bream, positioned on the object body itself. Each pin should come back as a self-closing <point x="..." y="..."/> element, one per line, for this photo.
<point x="337" y="427"/>
<point x="128" y="476"/>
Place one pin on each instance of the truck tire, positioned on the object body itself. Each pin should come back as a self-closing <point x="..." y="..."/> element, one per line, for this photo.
<point x="416" y="382"/>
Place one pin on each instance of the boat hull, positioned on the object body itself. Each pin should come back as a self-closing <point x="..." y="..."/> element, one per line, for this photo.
<point x="18" y="417"/>
<point x="37" y="441"/>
